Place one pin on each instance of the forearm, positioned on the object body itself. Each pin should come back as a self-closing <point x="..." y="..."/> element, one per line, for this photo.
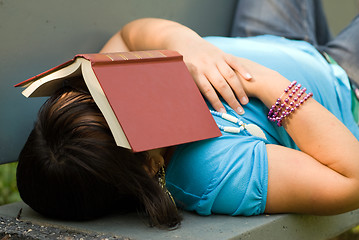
<point x="115" y="44"/>
<point x="152" y="33"/>
<point x="297" y="183"/>
<point x="316" y="131"/>
<point x="320" y="134"/>
<point x="213" y="70"/>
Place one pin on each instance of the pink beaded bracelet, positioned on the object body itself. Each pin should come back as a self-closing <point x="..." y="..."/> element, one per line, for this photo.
<point x="293" y="97"/>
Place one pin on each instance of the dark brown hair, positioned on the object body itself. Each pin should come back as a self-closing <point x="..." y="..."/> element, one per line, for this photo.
<point x="71" y="168"/>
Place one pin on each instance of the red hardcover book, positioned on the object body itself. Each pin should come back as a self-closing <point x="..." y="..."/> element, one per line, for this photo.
<point x="148" y="98"/>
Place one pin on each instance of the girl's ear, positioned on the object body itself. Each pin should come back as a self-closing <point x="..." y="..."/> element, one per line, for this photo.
<point x="154" y="161"/>
<point x="150" y="166"/>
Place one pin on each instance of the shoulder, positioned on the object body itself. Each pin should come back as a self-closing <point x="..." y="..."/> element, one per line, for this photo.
<point x="200" y="171"/>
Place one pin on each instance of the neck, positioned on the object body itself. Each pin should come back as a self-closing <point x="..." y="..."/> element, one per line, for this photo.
<point x="168" y="154"/>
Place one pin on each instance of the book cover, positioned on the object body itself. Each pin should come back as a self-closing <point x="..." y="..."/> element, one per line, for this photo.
<point x="151" y="94"/>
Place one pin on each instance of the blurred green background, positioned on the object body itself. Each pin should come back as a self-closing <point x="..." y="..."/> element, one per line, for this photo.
<point x="340" y="13"/>
<point x="8" y="190"/>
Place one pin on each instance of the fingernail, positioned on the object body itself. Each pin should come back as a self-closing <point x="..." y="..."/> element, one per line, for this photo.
<point x="222" y="110"/>
<point x="248" y="76"/>
<point x="240" y="111"/>
<point x="244" y="100"/>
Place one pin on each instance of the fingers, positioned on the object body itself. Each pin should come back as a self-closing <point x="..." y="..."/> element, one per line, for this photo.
<point x="221" y="79"/>
<point x="218" y="74"/>
<point x="236" y="65"/>
<point x="209" y="93"/>
<point x="240" y="69"/>
<point x="233" y="81"/>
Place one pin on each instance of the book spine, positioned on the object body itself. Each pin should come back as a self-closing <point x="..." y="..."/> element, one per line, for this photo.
<point x="99" y="58"/>
<point x="116" y="57"/>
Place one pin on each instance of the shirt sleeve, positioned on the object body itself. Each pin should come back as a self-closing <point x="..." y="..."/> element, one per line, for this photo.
<point x="225" y="175"/>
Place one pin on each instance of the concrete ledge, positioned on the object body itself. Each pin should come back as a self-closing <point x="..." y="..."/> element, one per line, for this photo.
<point x="130" y="226"/>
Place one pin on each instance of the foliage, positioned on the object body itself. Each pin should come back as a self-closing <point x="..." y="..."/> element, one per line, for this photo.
<point x="8" y="189"/>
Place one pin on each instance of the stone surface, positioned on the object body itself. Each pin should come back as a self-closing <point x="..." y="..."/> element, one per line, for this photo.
<point x="131" y="226"/>
<point x="13" y="229"/>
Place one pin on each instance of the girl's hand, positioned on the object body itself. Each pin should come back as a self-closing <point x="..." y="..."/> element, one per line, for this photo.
<point x="212" y="69"/>
<point x="266" y="84"/>
<point x="215" y="71"/>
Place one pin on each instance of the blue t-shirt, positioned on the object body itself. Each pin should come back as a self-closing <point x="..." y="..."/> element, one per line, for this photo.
<point x="229" y="174"/>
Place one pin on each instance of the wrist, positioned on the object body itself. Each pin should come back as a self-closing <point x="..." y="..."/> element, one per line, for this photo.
<point x="290" y="100"/>
<point x="269" y="91"/>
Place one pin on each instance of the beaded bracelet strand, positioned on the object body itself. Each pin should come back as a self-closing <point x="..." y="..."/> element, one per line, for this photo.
<point x="293" y="97"/>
